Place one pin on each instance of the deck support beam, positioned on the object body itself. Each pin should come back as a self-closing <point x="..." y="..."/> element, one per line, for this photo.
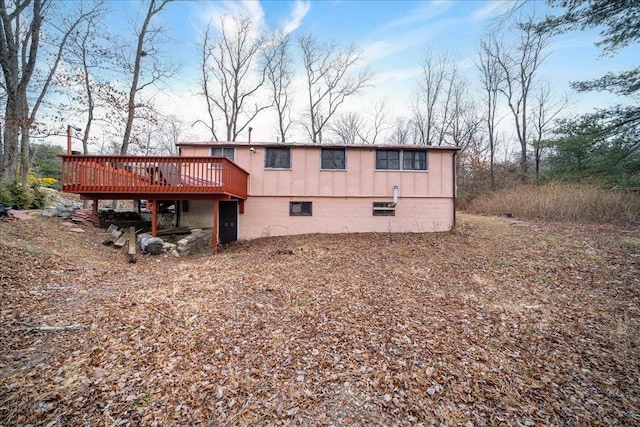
<point x="154" y="217"/>
<point x="215" y="226"/>
<point x="95" y="205"/>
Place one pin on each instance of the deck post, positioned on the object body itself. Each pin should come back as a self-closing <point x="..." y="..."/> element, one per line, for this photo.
<point x="95" y="205"/>
<point x="215" y="227"/>
<point x="154" y="217"/>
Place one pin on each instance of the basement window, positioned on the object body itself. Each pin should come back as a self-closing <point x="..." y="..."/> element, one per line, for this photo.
<point x="300" y="208"/>
<point x="384" y="209"/>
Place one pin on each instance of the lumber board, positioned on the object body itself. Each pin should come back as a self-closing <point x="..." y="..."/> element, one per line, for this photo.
<point x="132" y="240"/>
<point x="122" y="240"/>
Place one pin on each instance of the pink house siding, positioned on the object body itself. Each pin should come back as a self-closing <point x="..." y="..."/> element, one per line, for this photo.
<point x="269" y="216"/>
<point x="342" y="200"/>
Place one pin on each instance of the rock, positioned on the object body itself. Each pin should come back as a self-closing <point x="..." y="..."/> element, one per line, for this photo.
<point x="77" y="230"/>
<point x="19" y="214"/>
<point x="150" y="245"/>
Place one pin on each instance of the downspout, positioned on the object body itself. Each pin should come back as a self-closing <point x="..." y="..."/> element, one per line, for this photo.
<point x="453" y="168"/>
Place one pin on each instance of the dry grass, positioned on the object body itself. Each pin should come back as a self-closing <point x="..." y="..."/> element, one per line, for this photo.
<point x="498" y="322"/>
<point x="563" y="202"/>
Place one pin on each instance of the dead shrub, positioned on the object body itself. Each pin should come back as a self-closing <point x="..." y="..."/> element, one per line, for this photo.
<point x="562" y="202"/>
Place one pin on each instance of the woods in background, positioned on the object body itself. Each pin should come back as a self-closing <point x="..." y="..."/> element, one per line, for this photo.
<point x="107" y="82"/>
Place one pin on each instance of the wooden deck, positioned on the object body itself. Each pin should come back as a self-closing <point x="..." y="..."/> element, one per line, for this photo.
<point x="153" y="178"/>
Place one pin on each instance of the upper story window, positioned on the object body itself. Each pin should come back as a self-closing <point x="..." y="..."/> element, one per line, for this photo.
<point x="333" y="158"/>
<point x="277" y="158"/>
<point x="388" y="159"/>
<point x="228" y="152"/>
<point x="401" y="160"/>
<point x="414" y="160"/>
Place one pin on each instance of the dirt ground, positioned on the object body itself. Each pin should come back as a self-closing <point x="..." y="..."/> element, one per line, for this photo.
<point x="498" y="322"/>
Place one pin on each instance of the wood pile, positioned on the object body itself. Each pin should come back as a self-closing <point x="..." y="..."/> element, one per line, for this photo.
<point x="86" y="217"/>
<point x="123" y="219"/>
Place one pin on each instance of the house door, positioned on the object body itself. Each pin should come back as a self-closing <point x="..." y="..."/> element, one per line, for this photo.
<point x="228" y="221"/>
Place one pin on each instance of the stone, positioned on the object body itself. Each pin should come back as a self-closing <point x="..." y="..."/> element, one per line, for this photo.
<point x="149" y="244"/>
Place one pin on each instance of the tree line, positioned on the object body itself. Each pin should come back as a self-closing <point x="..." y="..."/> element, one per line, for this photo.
<point x="76" y="72"/>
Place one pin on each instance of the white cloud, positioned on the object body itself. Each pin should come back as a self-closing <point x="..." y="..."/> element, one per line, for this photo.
<point x="398" y="74"/>
<point x="232" y="8"/>
<point x="426" y="12"/>
<point x="298" y="12"/>
<point x="380" y="50"/>
<point x="493" y="9"/>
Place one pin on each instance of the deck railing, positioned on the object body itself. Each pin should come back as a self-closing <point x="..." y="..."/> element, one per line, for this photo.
<point x="152" y="175"/>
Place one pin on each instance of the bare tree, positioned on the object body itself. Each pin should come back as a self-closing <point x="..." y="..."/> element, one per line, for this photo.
<point x="232" y="62"/>
<point x="171" y="130"/>
<point x="545" y="110"/>
<point x="86" y="56"/>
<point x="438" y="72"/>
<point x="206" y="83"/>
<point x="490" y="78"/>
<point x="22" y="23"/>
<point x="330" y="81"/>
<point x="377" y="124"/>
<point x="145" y="47"/>
<point x="401" y="132"/>
<point x="464" y="126"/>
<point x="348" y="127"/>
<point x="518" y="70"/>
<point x="279" y="76"/>
<point x="356" y="128"/>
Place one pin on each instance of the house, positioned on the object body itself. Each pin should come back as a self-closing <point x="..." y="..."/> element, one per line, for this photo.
<point x="257" y="190"/>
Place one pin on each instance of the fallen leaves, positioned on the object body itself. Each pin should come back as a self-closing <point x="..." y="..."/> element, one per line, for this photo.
<point x="524" y="323"/>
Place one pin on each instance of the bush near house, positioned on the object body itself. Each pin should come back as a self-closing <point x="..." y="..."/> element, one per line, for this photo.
<point x="20" y="197"/>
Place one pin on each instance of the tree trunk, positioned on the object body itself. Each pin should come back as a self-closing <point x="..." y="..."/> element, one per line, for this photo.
<point x="24" y="155"/>
<point x="10" y="153"/>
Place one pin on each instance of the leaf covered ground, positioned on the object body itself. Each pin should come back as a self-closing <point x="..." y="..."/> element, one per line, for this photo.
<point x="495" y="323"/>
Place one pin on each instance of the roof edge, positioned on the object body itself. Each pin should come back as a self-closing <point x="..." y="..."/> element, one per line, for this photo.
<point x="310" y="145"/>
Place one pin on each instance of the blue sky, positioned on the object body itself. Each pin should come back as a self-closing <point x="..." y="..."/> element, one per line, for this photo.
<point x="393" y="36"/>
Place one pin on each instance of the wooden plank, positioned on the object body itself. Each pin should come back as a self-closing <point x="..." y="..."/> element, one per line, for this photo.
<point x="122" y="240"/>
<point x="132" y="240"/>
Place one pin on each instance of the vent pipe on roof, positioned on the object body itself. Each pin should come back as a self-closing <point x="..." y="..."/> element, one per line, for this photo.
<point x="395" y="197"/>
<point x="250" y="129"/>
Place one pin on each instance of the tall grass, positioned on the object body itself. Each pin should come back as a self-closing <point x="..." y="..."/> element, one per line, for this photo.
<point x="562" y="202"/>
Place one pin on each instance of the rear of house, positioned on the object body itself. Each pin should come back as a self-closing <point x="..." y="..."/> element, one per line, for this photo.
<point x="303" y="188"/>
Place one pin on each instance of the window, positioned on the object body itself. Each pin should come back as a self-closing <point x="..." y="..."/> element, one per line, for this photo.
<point x="228" y="152"/>
<point x="333" y="158"/>
<point x="278" y="158"/>
<point x="414" y="160"/>
<point x="384" y="209"/>
<point x="409" y="160"/>
<point x="300" y="208"/>
<point x="388" y="159"/>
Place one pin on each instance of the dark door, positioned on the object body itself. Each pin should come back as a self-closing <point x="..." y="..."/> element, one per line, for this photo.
<point x="228" y="221"/>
